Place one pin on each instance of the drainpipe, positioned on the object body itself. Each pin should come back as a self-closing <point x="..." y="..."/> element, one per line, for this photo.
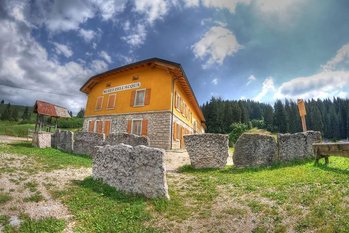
<point x="172" y="103"/>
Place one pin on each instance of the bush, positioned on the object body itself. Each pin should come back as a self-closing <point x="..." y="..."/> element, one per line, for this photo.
<point x="237" y="130"/>
<point x="73" y="122"/>
<point x="258" y="124"/>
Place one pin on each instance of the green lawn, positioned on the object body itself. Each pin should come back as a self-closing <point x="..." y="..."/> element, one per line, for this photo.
<point x="300" y="196"/>
<point x="12" y="128"/>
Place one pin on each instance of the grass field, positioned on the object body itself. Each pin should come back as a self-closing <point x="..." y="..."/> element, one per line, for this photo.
<point x="298" y="197"/>
<point x="12" y="128"/>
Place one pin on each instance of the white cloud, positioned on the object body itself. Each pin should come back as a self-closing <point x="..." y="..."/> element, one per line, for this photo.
<point x="63" y="49"/>
<point x="152" y="9"/>
<point x="268" y="87"/>
<point x="322" y="85"/>
<point x="225" y="4"/>
<point x="217" y="44"/>
<point x="250" y="79"/>
<point x="214" y="81"/>
<point x="342" y="57"/>
<point x="24" y="61"/>
<point x="105" y="56"/>
<point x="87" y="35"/>
<point x="135" y="36"/>
<point x="109" y="8"/>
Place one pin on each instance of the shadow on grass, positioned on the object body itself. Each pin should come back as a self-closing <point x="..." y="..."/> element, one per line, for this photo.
<point x="21" y="144"/>
<point x="327" y="167"/>
<point x="231" y="169"/>
<point x="105" y="190"/>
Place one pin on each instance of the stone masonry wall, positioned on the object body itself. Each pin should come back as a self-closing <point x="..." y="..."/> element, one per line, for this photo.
<point x="207" y="150"/>
<point x="128" y="139"/>
<point x="84" y="142"/>
<point x="263" y="150"/>
<point x="159" y="126"/>
<point x="41" y="139"/>
<point x="297" y="146"/>
<point x="63" y="140"/>
<point x="254" y="150"/>
<point x="138" y="170"/>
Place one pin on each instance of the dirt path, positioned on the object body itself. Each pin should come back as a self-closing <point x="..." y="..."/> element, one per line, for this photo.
<point x="10" y="139"/>
<point x="30" y="193"/>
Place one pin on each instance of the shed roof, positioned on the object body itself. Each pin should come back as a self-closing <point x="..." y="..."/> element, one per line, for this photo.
<point x="173" y="67"/>
<point x="47" y="109"/>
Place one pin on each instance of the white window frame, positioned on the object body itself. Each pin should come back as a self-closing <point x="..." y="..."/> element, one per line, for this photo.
<point x="135" y="100"/>
<point x="132" y="125"/>
<point x="96" y="109"/>
<point x="113" y="103"/>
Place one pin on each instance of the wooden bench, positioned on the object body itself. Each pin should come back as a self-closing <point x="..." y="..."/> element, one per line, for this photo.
<point x="325" y="150"/>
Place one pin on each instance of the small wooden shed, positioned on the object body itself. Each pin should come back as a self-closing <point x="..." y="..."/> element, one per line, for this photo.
<point x="47" y="115"/>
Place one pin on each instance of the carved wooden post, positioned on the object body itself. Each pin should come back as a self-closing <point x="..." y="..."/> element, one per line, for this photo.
<point x="302" y="113"/>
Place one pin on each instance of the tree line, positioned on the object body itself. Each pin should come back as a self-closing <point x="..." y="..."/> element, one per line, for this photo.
<point x="330" y="116"/>
<point x="11" y="114"/>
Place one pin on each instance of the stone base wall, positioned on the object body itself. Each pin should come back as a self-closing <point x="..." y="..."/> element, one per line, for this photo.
<point x="263" y="150"/>
<point x="159" y="126"/>
<point x="138" y="170"/>
<point x="297" y="146"/>
<point x="253" y="150"/>
<point x="41" y="139"/>
<point x="128" y="139"/>
<point x="84" y="142"/>
<point x="63" y="140"/>
<point x="207" y="150"/>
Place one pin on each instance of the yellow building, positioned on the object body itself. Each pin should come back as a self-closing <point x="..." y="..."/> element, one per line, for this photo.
<point x="152" y="97"/>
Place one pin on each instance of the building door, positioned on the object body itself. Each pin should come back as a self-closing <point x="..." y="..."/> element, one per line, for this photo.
<point x="181" y="138"/>
<point x="107" y="128"/>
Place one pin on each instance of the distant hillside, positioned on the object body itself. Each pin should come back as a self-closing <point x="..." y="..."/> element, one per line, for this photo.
<point x="20" y="109"/>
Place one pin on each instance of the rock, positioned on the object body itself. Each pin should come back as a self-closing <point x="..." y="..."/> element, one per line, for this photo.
<point x="297" y="146"/>
<point x="85" y="143"/>
<point x="253" y="150"/>
<point x="137" y="170"/>
<point x="41" y="139"/>
<point x="63" y="140"/>
<point x="207" y="150"/>
<point x="125" y="138"/>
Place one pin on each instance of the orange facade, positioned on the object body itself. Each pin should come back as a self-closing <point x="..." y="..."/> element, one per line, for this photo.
<point x="154" y="86"/>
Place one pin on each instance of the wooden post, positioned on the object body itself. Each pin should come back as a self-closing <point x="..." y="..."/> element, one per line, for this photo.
<point x="302" y="113"/>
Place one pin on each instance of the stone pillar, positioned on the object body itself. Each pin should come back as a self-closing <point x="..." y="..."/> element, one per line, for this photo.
<point x="41" y="139"/>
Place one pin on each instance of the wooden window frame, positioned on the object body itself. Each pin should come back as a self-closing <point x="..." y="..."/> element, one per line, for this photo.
<point x="178" y="136"/>
<point x="132" y="125"/>
<point x="99" y="97"/>
<point x="135" y="100"/>
<point x="94" y="126"/>
<point x="178" y="102"/>
<point x="110" y="108"/>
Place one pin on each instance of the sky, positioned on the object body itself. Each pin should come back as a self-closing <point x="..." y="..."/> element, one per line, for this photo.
<point x="262" y="50"/>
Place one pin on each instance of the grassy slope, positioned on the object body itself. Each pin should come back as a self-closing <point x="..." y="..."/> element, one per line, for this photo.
<point x="15" y="129"/>
<point x="298" y="196"/>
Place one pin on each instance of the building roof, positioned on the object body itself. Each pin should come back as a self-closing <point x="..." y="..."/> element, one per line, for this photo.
<point x="173" y="67"/>
<point x="47" y="109"/>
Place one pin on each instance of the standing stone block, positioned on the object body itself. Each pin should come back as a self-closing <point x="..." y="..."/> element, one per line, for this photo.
<point x="85" y="143"/>
<point x="297" y="146"/>
<point x="41" y="139"/>
<point x="128" y="139"/>
<point x="207" y="150"/>
<point x="255" y="150"/>
<point x="137" y="170"/>
<point x="63" y="140"/>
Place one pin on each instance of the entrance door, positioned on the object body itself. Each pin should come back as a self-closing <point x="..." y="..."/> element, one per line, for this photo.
<point x="107" y="128"/>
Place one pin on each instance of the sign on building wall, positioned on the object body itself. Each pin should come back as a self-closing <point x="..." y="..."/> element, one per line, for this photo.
<point x="122" y="88"/>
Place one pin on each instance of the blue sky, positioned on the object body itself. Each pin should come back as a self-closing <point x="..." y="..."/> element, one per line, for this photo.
<point x="235" y="49"/>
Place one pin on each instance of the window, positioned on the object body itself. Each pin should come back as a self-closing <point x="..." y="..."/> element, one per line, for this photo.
<point x="99" y="103"/>
<point x="111" y="101"/>
<point x="178" y="101"/>
<point x="136" y="127"/>
<point x="179" y="130"/>
<point x="107" y="127"/>
<point x="139" y="98"/>
<point x="91" y="126"/>
<point x="99" y="127"/>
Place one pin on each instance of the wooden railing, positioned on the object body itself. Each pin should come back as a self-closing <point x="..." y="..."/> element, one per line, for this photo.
<point x="325" y="150"/>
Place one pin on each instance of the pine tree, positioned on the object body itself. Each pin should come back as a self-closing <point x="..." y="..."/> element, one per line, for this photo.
<point x="25" y="115"/>
<point x="6" y="114"/>
<point x="14" y="115"/>
<point x="81" y="113"/>
<point x="2" y="102"/>
<point x="280" y="117"/>
<point x="268" y="117"/>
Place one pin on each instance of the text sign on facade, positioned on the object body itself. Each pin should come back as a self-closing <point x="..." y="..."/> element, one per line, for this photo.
<point x="122" y="88"/>
<point x="301" y="107"/>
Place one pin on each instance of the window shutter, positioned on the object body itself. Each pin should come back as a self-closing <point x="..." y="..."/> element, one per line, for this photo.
<point x="91" y="126"/>
<point x="144" y="127"/>
<point x="132" y="101"/>
<point x="174" y="131"/>
<point x="99" y="126"/>
<point x="107" y="128"/>
<point x="147" y="97"/>
<point x="111" y="101"/>
<point x="175" y="99"/>
<point x="129" y="124"/>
